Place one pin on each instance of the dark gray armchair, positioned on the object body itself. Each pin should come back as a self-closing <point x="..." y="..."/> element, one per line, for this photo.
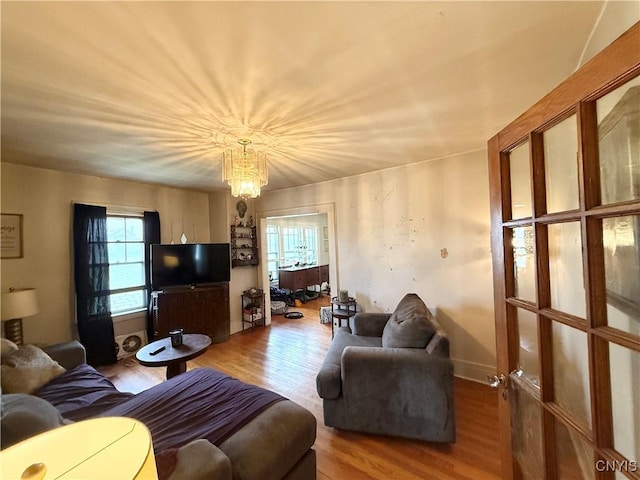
<point x="369" y="382"/>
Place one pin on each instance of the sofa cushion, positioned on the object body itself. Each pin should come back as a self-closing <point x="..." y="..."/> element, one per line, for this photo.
<point x="410" y="324"/>
<point x="27" y="369"/>
<point x="26" y="415"/>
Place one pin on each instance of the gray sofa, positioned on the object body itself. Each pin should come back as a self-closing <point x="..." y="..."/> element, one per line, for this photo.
<point x="276" y="444"/>
<point x="390" y="374"/>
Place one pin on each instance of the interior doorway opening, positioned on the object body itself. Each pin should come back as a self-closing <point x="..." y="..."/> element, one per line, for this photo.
<point x="297" y="252"/>
<point x="298" y="245"/>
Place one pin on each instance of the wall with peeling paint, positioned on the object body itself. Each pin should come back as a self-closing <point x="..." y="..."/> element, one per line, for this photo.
<point x="423" y="228"/>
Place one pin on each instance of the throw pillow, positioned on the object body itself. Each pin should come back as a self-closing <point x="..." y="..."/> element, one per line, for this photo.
<point x="6" y="347"/>
<point x="410" y="324"/>
<point x="27" y="369"/>
<point x="26" y="415"/>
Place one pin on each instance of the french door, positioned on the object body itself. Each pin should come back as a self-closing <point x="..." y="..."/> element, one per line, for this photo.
<point x="565" y="207"/>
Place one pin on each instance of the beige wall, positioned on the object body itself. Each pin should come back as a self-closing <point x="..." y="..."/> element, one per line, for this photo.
<point x="44" y="198"/>
<point x="391" y="231"/>
<point x="616" y="18"/>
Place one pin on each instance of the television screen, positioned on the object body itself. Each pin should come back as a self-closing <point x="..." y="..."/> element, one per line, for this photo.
<point x="189" y="264"/>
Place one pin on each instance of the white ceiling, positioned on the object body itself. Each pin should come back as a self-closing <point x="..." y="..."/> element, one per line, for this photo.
<point x="154" y="91"/>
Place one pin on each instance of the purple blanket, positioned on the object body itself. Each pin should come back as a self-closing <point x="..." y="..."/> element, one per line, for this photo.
<point x="82" y="393"/>
<point x="201" y="403"/>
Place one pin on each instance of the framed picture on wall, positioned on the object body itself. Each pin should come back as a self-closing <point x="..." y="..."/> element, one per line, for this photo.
<point x="11" y="236"/>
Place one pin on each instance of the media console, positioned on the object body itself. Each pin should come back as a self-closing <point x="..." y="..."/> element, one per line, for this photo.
<point x="197" y="310"/>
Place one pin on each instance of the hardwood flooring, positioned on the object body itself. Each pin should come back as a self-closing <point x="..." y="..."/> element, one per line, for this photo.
<point x="286" y="356"/>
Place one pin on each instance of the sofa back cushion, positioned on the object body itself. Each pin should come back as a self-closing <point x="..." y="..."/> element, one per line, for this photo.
<point x="410" y="325"/>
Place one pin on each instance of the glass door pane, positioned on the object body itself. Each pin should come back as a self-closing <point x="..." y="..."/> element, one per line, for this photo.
<point x="625" y="400"/>
<point x="526" y="427"/>
<point x="619" y="143"/>
<point x="574" y="454"/>
<point x="571" y="372"/>
<point x="524" y="264"/>
<point x="528" y="351"/>
<point x="621" y="242"/>
<point x="565" y="268"/>
<point x="561" y="166"/>
<point x="520" y="182"/>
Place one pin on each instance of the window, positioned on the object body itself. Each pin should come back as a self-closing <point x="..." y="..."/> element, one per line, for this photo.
<point x="310" y="252"/>
<point x="125" y="241"/>
<point x="273" y="251"/>
<point x="291" y="240"/>
<point x="299" y="245"/>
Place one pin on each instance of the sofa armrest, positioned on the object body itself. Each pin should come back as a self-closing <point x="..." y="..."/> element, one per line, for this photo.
<point x="201" y="460"/>
<point x="369" y="324"/>
<point x="67" y="354"/>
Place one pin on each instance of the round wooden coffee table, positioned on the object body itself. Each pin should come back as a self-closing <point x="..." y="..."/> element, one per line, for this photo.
<point x="174" y="358"/>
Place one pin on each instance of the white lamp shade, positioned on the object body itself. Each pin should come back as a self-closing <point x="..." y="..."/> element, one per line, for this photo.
<point x="19" y="303"/>
<point x="97" y="449"/>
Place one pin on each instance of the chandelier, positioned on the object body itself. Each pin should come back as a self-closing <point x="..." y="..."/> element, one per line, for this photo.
<point x="245" y="170"/>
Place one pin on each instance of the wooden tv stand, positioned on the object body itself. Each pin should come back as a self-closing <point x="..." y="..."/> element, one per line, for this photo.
<point x="197" y="310"/>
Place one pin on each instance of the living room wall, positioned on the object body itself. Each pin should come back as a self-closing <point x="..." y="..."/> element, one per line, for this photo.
<point x="44" y="198"/>
<point x="421" y="228"/>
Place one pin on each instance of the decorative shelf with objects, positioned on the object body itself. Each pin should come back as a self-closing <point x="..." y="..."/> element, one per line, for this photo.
<point x="244" y="246"/>
<point x="253" y="308"/>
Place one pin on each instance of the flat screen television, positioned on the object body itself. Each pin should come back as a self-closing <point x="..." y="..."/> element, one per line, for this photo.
<point x="189" y="264"/>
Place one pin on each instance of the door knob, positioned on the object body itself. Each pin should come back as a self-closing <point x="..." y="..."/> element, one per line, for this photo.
<point x="496" y="380"/>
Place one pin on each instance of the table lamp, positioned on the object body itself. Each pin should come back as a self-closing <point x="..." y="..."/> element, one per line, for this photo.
<point x="17" y="304"/>
<point x="97" y="449"/>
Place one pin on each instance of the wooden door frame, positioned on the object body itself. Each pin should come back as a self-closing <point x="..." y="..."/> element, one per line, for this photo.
<point x="617" y="62"/>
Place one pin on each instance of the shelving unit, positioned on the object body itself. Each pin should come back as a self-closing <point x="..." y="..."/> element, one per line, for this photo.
<point x="244" y="246"/>
<point x="253" y="308"/>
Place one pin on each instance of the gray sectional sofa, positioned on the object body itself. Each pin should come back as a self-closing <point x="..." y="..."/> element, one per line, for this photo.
<point x="390" y="374"/>
<point x="273" y="443"/>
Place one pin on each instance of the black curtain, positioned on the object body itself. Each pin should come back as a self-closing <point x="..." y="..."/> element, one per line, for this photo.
<point x="91" y="269"/>
<point x="151" y="236"/>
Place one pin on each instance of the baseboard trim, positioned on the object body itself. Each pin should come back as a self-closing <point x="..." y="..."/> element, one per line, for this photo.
<point x="472" y="371"/>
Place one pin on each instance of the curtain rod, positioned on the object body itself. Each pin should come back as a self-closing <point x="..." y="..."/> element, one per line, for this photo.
<point x="119" y="208"/>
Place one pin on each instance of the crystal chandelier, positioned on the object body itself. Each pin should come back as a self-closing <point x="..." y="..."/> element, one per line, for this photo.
<point x="245" y="170"/>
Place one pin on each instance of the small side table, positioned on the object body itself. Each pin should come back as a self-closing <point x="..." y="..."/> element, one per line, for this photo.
<point x="342" y="311"/>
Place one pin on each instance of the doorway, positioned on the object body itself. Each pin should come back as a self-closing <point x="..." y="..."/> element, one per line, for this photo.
<point x="301" y="240"/>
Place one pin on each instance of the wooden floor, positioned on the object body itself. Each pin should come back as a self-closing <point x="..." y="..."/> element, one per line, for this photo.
<point x="286" y="357"/>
